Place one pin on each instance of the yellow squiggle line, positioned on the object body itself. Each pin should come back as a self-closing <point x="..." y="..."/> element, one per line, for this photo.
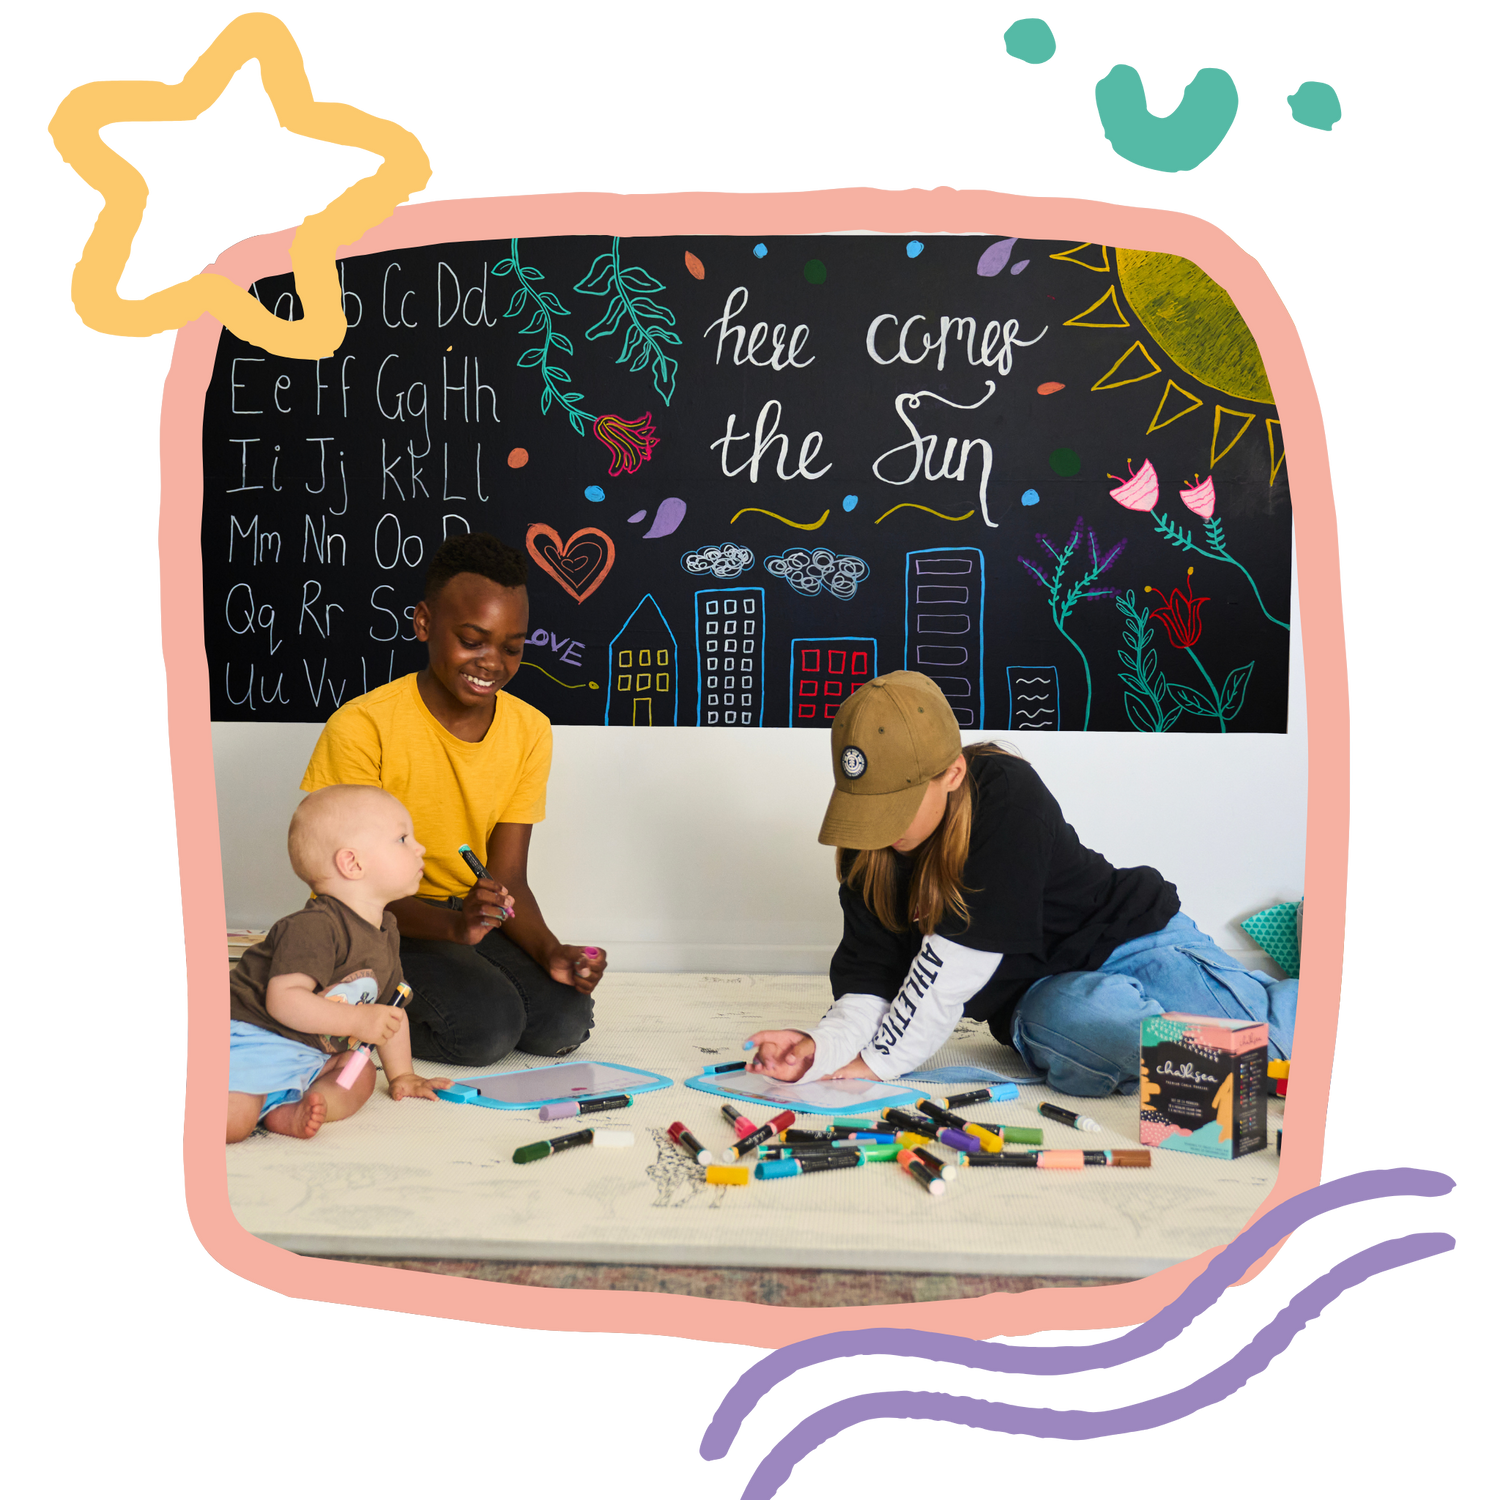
<point x="912" y="505"/>
<point x="800" y="525"/>
<point x="557" y="680"/>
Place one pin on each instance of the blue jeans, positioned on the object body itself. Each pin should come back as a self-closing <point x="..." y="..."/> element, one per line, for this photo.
<point x="1082" y="1031"/>
<point x="472" y="1006"/>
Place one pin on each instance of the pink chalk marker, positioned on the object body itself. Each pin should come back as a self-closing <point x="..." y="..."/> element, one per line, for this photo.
<point x="361" y="1054"/>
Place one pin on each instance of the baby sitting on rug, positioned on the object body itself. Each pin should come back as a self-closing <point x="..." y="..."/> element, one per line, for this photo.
<point x="288" y="1038"/>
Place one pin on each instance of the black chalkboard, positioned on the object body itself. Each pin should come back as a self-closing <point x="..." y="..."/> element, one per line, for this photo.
<point x="751" y="474"/>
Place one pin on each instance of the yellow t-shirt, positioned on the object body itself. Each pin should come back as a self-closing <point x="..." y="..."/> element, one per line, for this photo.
<point x="456" y="792"/>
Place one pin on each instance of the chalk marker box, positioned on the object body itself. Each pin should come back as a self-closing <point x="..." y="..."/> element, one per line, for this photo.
<point x="1203" y="1082"/>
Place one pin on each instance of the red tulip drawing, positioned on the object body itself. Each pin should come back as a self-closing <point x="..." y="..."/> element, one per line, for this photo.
<point x="1180" y="615"/>
<point x="630" y="442"/>
<point x="1181" y="618"/>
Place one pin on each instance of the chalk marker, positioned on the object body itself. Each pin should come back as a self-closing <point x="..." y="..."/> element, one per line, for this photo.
<point x="975" y="1096"/>
<point x="908" y="1121"/>
<point x="1065" y="1161"/>
<point x="798" y="1166"/>
<point x="1101" y="1158"/>
<point x="742" y="1126"/>
<point x="690" y="1143"/>
<point x="920" y="1172"/>
<point x="538" y="1149"/>
<point x="727" y="1176"/>
<point x="944" y="1169"/>
<point x="361" y="1054"/>
<point x="1067" y="1117"/>
<point x="748" y="1143"/>
<point x="1015" y="1135"/>
<point x="998" y="1159"/>
<point x="874" y="1151"/>
<point x="991" y="1140"/>
<point x="565" y="1109"/>
<point x="960" y="1140"/>
<point x="614" y="1138"/>
<point x="472" y="860"/>
<point x="729" y="1067"/>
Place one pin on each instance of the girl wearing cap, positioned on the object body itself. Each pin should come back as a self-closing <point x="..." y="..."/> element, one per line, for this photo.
<point x="966" y="893"/>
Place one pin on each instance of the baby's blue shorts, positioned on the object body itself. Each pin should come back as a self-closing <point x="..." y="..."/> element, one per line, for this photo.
<point x="262" y="1062"/>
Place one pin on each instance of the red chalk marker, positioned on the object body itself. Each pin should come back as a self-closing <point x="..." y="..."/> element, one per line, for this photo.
<point x="690" y="1143"/>
<point x="751" y="1141"/>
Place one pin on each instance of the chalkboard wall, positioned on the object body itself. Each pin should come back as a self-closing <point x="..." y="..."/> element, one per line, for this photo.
<point x="750" y="475"/>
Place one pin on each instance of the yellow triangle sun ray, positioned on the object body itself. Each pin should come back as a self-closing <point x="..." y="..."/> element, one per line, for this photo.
<point x="1072" y="256"/>
<point x="1273" y="432"/>
<point x="1105" y="383"/>
<point x="1082" y="320"/>
<point x="1156" y="422"/>
<point x="1215" y="452"/>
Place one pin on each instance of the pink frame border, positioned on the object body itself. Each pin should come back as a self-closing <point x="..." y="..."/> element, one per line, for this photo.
<point x="939" y="210"/>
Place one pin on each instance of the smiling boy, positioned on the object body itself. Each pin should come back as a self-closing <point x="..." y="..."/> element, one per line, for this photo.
<point x="471" y="763"/>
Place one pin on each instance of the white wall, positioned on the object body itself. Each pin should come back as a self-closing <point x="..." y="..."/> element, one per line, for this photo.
<point x="695" y="849"/>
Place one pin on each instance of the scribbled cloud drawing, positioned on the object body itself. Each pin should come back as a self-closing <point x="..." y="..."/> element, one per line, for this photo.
<point x="825" y="671"/>
<point x="642" y="669"/>
<point x="731" y="655"/>
<point x="1035" y="700"/>
<point x="723" y="561"/>
<point x="816" y="569"/>
<point x="668" y="517"/>
<point x="579" y="565"/>
<point x="320" y="330"/>
<point x="945" y="626"/>
<point x="1177" y="142"/>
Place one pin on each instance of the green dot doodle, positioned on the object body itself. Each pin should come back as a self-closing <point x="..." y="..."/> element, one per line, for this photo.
<point x="1031" y="41"/>
<point x="1177" y="142"/>
<point x="1316" y="104"/>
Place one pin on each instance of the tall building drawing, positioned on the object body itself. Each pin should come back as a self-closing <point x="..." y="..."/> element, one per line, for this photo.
<point x="1034" y="699"/>
<point x="643" y="669"/>
<point x="824" y="672"/>
<point x="731" y="638"/>
<point x="945" y="626"/>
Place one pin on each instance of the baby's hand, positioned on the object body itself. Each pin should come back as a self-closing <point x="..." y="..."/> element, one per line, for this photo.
<point x="409" y="1086"/>
<point x="786" y="1055"/>
<point x="374" y="1023"/>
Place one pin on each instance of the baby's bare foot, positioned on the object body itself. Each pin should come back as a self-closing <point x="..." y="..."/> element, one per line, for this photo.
<point x="301" y="1119"/>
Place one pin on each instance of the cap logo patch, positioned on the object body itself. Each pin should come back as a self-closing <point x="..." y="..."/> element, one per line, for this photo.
<point x="853" y="762"/>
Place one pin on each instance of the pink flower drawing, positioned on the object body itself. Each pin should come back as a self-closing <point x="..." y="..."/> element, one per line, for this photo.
<point x="1139" y="491"/>
<point x="1200" y="498"/>
<point x="629" y="442"/>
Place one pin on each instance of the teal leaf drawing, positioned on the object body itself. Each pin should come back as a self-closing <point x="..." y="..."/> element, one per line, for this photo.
<point x="1216" y="549"/>
<point x="648" y="325"/>
<point x="1192" y="700"/>
<point x="545" y="306"/>
<point x="1232" y="699"/>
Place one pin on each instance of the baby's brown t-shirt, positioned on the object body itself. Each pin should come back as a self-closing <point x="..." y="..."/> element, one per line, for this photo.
<point x="330" y="944"/>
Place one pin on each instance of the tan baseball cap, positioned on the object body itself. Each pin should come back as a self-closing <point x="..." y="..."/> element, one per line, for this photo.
<point x="889" y="740"/>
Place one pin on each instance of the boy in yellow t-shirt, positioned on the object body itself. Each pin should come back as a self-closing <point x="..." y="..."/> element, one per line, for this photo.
<point x="471" y="764"/>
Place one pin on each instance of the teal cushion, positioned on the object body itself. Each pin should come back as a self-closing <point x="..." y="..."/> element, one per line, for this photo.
<point x="1275" y="929"/>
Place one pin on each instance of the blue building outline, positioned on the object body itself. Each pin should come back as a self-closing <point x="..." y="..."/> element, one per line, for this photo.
<point x="911" y="604"/>
<point x="609" y="686"/>
<point x="760" y="653"/>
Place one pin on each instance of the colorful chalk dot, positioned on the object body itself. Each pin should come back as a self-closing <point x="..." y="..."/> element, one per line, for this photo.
<point x="517" y="458"/>
<point x="1065" y="461"/>
<point x="815" y="272"/>
<point x="1317" y="105"/>
<point x="594" y="492"/>
<point x="1019" y="266"/>
<point x="694" y="265"/>
<point x="995" y="258"/>
<point x="914" y="248"/>
<point x="1050" y="388"/>
<point x="640" y="515"/>
<point x="850" y="501"/>
<point x="1030" y="498"/>
<point x="759" y="252"/>
<point x="1031" y="41"/>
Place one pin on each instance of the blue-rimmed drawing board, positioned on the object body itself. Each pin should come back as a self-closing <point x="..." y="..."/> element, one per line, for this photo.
<point x="828" y="1096"/>
<point x="530" y="1088"/>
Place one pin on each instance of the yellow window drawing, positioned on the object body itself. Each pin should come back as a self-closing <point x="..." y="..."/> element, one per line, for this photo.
<point x="643" y="683"/>
<point x="625" y="658"/>
<point x="661" y="658"/>
<point x="662" y="679"/>
<point x="623" y="685"/>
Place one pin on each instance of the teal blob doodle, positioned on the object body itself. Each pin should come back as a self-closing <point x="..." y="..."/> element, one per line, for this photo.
<point x="1030" y="498"/>
<point x="1177" y="142"/>
<point x="914" y="248"/>
<point x="850" y="501"/>
<point x="759" y="252"/>
<point x="1317" y="105"/>
<point x="1031" y="40"/>
<point x="594" y="492"/>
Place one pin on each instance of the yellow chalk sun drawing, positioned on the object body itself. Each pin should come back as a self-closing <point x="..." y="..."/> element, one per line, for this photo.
<point x="75" y="128"/>
<point x="1195" y="326"/>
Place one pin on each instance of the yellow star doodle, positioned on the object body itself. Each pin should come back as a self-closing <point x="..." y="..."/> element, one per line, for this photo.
<point x="75" y="128"/>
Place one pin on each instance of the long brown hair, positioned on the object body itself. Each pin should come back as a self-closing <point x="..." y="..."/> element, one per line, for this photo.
<point x="936" y="887"/>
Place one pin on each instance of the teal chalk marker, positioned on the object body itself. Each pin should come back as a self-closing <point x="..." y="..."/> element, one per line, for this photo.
<point x="480" y="873"/>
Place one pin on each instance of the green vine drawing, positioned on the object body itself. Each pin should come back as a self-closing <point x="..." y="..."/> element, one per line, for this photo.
<point x="1062" y="603"/>
<point x="649" y="324"/>
<point x="1148" y="699"/>
<point x="1216" y="551"/>
<point x="546" y="306"/>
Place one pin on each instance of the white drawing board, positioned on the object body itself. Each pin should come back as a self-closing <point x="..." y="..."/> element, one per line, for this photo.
<point x="828" y="1096"/>
<point x="528" y="1088"/>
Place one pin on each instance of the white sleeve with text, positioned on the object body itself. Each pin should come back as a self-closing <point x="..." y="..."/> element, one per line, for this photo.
<point x="844" y="1032"/>
<point x="943" y="977"/>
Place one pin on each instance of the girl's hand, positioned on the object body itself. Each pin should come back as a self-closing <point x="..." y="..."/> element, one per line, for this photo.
<point x="580" y="967"/>
<point x="785" y="1055"/>
<point x="372" y="1023"/>
<point x="409" y="1086"/>
<point x="858" y="1068"/>
<point x="486" y="906"/>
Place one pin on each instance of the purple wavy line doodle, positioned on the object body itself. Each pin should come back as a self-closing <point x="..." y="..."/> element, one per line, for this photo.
<point x="998" y="1416"/>
<point x="950" y="1348"/>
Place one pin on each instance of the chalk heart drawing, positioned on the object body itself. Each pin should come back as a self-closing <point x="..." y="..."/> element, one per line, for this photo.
<point x="578" y="565"/>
